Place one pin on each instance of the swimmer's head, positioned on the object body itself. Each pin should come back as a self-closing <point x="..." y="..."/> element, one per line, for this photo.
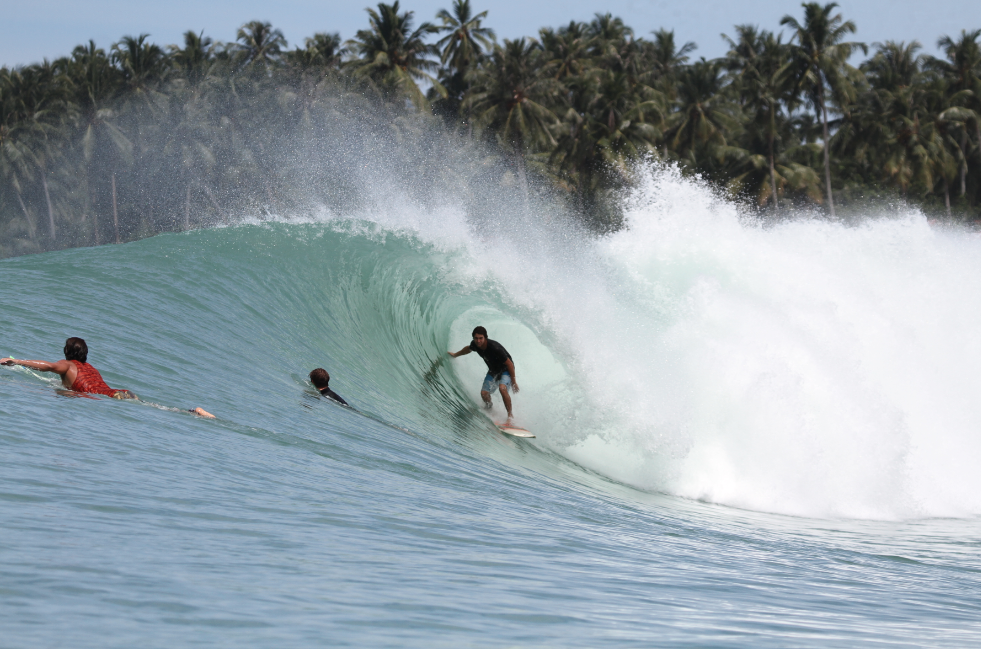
<point x="320" y="378"/>
<point x="76" y="350"/>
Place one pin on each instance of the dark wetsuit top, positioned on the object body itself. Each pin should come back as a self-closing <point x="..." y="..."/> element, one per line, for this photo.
<point x="494" y="355"/>
<point x="327" y="392"/>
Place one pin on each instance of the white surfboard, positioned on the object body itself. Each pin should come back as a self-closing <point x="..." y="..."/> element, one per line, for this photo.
<point x="514" y="431"/>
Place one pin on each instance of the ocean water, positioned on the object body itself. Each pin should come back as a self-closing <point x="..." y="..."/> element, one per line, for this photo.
<point x="748" y="435"/>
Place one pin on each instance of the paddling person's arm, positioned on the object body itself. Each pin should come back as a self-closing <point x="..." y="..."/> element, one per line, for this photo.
<point x="462" y="352"/>
<point x="60" y="367"/>
<point x="514" y="381"/>
<point x="201" y="412"/>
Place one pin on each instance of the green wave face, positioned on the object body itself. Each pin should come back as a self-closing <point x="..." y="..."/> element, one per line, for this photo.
<point x="233" y="319"/>
<point x="801" y="368"/>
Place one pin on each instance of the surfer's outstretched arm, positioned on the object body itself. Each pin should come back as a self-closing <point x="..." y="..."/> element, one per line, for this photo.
<point x="59" y="367"/>
<point x="462" y="352"/>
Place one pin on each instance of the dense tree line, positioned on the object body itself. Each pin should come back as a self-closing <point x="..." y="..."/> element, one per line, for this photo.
<point x="105" y="146"/>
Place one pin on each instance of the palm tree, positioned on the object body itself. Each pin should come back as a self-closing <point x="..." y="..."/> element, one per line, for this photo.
<point x="194" y="59"/>
<point x="190" y="144"/>
<point x="894" y="66"/>
<point x="667" y="60"/>
<point x="762" y="65"/>
<point x="143" y="114"/>
<point x="462" y="47"/>
<point x="607" y="33"/>
<point x="144" y="65"/>
<point x="566" y="51"/>
<point x="907" y="122"/>
<point x="393" y="55"/>
<point x="16" y="160"/>
<point x="757" y="176"/>
<point x="945" y="119"/>
<point x="821" y="62"/>
<point x="466" y="40"/>
<point x="608" y="123"/>
<point x="962" y="69"/>
<point x="97" y="86"/>
<point x="865" y="136"/>
<point x="38" y="112"/>
<point x="614" y="48"/>
<point x="260" y="46"/>
<point x="883" y="126"/>
<point x="510" y="98"/>
<point x="704" y="118"/>
<point x="321" y="52"/>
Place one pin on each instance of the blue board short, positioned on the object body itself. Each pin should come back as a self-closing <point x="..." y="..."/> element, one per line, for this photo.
<point x="490" y="383"/>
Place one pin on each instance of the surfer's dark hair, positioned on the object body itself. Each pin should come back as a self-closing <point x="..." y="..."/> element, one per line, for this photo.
<point x="320" y="378"/>
<point x="479" y="330"/>
<point x="76" y="350"/>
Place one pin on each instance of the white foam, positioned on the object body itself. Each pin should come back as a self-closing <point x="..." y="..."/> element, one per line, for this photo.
<point x="808" y="368"/>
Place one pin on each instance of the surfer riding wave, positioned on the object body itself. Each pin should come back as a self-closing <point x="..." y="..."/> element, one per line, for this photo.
<point x="500" y="369"/>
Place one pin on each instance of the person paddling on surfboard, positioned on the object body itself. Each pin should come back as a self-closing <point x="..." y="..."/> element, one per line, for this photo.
<point x="500" y="368"/>
<point x="320" y="378"/>
<point x="78" y="376"/>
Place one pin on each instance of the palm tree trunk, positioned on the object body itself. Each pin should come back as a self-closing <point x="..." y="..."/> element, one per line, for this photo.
<point x="947" y="195"/>
<point x="31" y="228"/>
<point x="469" y="107"/>
<point x="519" y="161"/>
<point x="581" y="184"/>
<point x="214" y="201"/>
<point x="773" y="182"/>
<point x="47" y="197"/>
<point x="827" y="161"/>
<point x="187" y="208"/>
<point x="269" y="193"/>
<point x="115" y="212"/>
<point x="90" y="204"/>
<point x="773" y="175"/>
<point x="963" y="163"/>
<point x="977" y="131"/>
<point x="95" y="219"/>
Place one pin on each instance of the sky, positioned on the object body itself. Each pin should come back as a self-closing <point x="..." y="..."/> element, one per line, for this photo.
<point x="32" y="31"/>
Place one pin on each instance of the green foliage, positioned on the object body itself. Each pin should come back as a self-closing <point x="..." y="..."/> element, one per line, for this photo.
<point x="394" y="57"/>
<point x="820" y="60"/>
<point x="110" y="145"/>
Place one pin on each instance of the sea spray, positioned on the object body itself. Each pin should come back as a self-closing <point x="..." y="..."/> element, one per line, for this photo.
<point x="808" y="367"/>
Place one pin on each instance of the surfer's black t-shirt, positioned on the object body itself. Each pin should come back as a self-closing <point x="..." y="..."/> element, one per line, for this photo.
<point x="494" y="355"/>
<point x="330" y="394"/>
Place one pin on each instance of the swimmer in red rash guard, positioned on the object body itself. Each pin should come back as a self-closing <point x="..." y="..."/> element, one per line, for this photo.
<point x="79" y="376"/>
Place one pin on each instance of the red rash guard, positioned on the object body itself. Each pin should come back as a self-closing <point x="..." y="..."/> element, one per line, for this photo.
<point x="89" y="380"/>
